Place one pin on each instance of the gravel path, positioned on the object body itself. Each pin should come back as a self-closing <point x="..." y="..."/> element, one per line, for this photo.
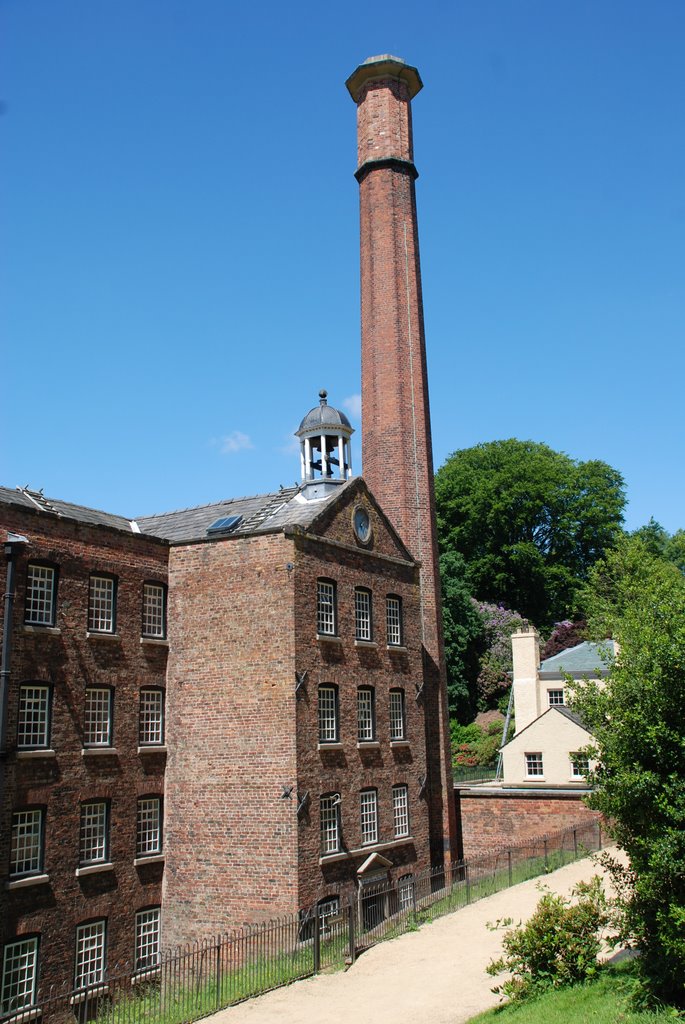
<point x="435" y="975"/>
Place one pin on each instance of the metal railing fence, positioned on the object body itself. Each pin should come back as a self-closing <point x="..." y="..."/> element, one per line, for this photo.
<point x="194" y="981"/>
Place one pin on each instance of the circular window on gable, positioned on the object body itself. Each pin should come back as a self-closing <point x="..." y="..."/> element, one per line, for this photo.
<point x="361" y="524"/>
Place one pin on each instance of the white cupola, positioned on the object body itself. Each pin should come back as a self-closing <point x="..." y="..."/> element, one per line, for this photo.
<point x="325" y="451"/>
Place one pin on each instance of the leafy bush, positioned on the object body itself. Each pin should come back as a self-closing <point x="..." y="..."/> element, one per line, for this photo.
<point x="472" y="745"/>
<point x="558" y="946"/>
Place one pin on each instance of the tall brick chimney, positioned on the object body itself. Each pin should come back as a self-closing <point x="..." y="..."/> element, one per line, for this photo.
<point x="397" y="451"/>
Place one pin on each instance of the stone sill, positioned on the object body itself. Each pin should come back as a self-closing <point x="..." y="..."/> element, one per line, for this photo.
<point x="99" y="752"/>
<point x="152" y="858"/>
<point x="368" y="744"/>
<point x="21" y="1015"/>
<point x="534" y="778"/>
<point x="147" y="974"/>
<point x="155" y="641"/>
<point x="34" y="755"/>
<point x="45" y="630"/>
<point x="330" y="858"/>
<point x="366" y="643"/>
<point x="152" y="748"/>
<point x="23" y="883"/>
<point x="103" y="636"/>
<point x="94" y="869"/>
<point x="399" y="743"/>
<point x="397" y="648"/>
<point x="329" y="746"/>
<point x="328" y="638"/>
<point x="89" y="993"/>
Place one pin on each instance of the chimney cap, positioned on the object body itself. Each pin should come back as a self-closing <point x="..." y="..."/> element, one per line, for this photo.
<point x="384" y="65"/>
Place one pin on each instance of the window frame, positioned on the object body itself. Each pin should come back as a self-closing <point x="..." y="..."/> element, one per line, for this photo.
<point x="35" y="685"/>
<point x="324" y="739"/>
<point x="364" y="718"/>
<point x="533" y="760"/>
<point x="114" y="581"/>
<point x="395" y="736"/>
<point x="576" y="774"/>
<point x="556" y="703"/>
<point x="89" y="744"/>
<point x="156" y="800"/>
<point x="401" y="789"/>
<point x="368" y="815"/>
<point x="405" y="892"/>
<point x="145" y="633"/>
<point x="157" y="690"/>
<point x="54" y="569"/>
<point x="38" y="834"/>
<point x="392" y="627"/>
<point x="330" y="802"/>
<point x="84" y="861"/>
<point x="80" y="980"/>
<point x="8" y="1006"/>
<point x="139" y="967"/>
<point x="322" y="613"/>
<point x="363" y="617"/>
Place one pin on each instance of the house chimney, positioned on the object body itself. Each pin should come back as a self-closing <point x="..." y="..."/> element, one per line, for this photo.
<point x="525" y="652"/>
<point x="397" y="453"/>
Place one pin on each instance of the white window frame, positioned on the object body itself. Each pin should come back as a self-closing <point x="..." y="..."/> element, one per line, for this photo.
<point x="40" y="604"/>
<point x="102" y="603"/>
<point x="19" y="975"/>
<point x="400" y="810"/>
<point x="329" y="814"/>
<point x="26" y="856"/>
<point x="534" y="765"/>
<point x="578" y="772"/>
<point x="363" y="619"/>
<point x="151" y="717"/>
<point x="556" y="697"/>
<point x="328" y="713"/>
<point x="97" y="717"/>
<point x="91" y="953"/>
<point x="405" y="892"/>
<point x="366" y="714"/>
<point x="148" y="952"/>
<point x="149" y="826"/>
<point x="33" y="722"/>
<point x="94" y="833"/>
<point x="154" y="610"/>
<point x="398" y="725"/>
<point x="393" y="620"/>
<point x="368" y="814"/>
<point x="326" y="608"/>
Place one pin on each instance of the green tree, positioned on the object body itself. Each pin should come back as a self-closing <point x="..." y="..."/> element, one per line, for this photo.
<point x="528" y="521"/>
<point x="638" y="721"/>
<point x="464" y="637"/>
<point x="660" y="542"/>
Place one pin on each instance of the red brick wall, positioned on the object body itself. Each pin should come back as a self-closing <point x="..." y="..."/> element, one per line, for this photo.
<point x="491" y="822"/>
<point x="231" y="836"/>
<point x="70" y="662"/>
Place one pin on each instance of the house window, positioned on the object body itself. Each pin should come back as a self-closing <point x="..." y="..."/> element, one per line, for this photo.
<point x="90" y="954"/>
<point x="151" y="718"/>
<point x="397" y="716"/>
<point x="366" y="718"/>
<point x="555" y="698"/>
<point x="325" y="608"/>
<point x="405" y="892"/>
<point x="329" y="807"/>
<point x="362" y="615"/>
<point x="326" y="908"/>
<point x="26" y="856"/>
<point x="393" y="619"/>
<point x="154" y="610"/>
<point x="41" y="593"/>
<point x="580" y="766"/>
<point x="149" y="827"/>
<point x="534" y="765"/>
<point x="101" y="604"/>
<point x="94" y="834"/>
<point x="369" y="816"/>
<point x="33" y="727"/>
<point x="147" y="939"/>
<point x="328" y="714"/>
<point x="97" y="730"/>
<point x="19" y="975"/>
<point x="400" y="810"/>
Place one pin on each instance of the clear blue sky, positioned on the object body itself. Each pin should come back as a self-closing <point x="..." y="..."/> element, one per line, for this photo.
<point x="180" y="221"/>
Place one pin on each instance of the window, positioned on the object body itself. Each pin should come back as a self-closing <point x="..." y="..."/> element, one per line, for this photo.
<point x="366" y="718"/>
<point x="405" y="892"/>
<point x="326" y="608"/>
<point x="94" y="835"/>
<point x="147" y="939"/>
<point x="41" y="594"/>
<point x="19" y="975"/>
<point x="26" y="856"/>
<point x="400" y="810"/>
<point x="97" y="730"/>
<point x="149" y="827"/>
<point x="580" y="766"/>
<point x="393" y="619"/>
<point x="151" y="718"/>
<point x="102" y="604"/>
<point x="329" y="807"/>
<point x="397" y="720"/>
<point x="154" y="610"/>
<point x="534" y="765"/>
<point x="369" y="816"/>
<point x="362" y="615"/>
<point x="33" y="728"/>
<point x="555" y="697"/>
<point x="90" y="954"/>
<point x="328" y="714"/>
<point x="326" y="908"/>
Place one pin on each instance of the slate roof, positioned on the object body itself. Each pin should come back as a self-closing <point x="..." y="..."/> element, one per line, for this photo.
<point x="37" y="502"/>
<point x="588" y="658"/>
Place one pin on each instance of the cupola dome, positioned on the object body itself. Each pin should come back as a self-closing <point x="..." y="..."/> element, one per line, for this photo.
<point x="325" y="453"/>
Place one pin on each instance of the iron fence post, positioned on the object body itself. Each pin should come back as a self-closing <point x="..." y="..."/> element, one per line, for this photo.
<point x="575" y="843"/>
<point x="218" y="972"/>
<point x="544" y="843"/>
<point x="350" y="930"/>
<point x="317" y="941"/>
<point x="511" y="870"/>
<point x="468" y="882"/>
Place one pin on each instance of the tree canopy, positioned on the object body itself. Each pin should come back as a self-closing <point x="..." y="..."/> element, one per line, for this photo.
<point x="528" y="521"/>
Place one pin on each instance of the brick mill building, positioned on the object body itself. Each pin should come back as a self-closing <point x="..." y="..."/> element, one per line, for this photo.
<point x="227" y="713"/>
